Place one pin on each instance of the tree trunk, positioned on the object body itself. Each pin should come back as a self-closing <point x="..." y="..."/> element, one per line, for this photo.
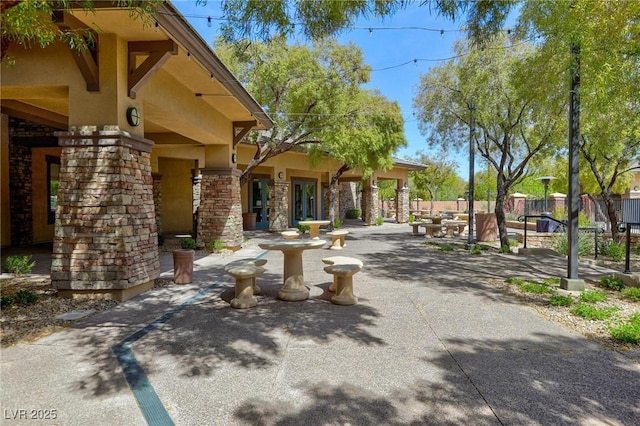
<point x="501" y="217"/>
<point x="611" y="213"/>
<point x="333" y="190"/>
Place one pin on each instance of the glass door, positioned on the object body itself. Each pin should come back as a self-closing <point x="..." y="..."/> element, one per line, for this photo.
<point x="304" y="201"/>
<point x="259" y="201"/>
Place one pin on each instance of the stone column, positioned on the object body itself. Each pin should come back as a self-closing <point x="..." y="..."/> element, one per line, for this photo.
<point x="370" y="205"/>
<point x="402" y="205"/>
<point x="279" y="206"/>
<point x="105" y="242"/>
<point x="220" y="211"/>
<point x="20" y="195"/>
<point x="157" y="200"/>
<point x="196" y="193"/>
<point x="348" y="198"/>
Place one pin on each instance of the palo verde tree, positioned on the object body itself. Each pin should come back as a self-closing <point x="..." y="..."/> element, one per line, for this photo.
<point x="608" y="35"/>
<point x="309" y="92"/>
<point x="512" y="125"/>
<point x="431" y="179"/>
<point x="363" y="139"/>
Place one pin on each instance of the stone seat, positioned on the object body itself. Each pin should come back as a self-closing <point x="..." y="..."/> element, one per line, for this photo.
<point x="432" y="229"/>
<point x="290" y="235"/>
<point x="245" y="272"/>
<point x="337" y="238"/>
<point x="415" y="226"/>
<point x="450" y="228"/>
<point x="340" y="260"/>
<point x="343" y="277"/>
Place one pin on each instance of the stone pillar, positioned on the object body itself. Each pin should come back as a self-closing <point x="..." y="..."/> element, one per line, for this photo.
<point x="370" y="205"/>
<point x="402" y="205"/>
<point x="279" y="206"/>
<point x="157" y="200"/>
<point x="105" y="242"/>
<point x="220" y="211"/>
<point x="557" y="201"/>
<point x="20" y="195"/>
<point x="348" y="198"/>
<point x="196" y="193"/>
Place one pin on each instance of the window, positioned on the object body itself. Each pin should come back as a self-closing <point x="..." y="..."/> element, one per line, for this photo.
<point x="53" y="181"/>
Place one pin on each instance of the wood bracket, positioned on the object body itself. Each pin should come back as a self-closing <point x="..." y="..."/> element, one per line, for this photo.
<point x="157" y="52"/>
<point x="86" y="59"/>
<point x="240" y="130"/>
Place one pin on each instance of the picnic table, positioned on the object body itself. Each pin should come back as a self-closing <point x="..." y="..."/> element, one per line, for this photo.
<point x="293" y="288"/>
<point x="314" y="227"/>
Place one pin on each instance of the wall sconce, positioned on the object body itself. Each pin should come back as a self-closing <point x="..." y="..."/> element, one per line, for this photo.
<point x="374" y="183"/>
<point x="234" y="158"/>
<point x="406" y="185"/>
<point x="280" y="175"/>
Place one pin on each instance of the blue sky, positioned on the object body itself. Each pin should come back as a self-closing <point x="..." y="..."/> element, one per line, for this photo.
<point x="385" y="50"/>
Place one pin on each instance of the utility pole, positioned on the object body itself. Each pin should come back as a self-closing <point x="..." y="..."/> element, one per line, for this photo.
<point x="472" y="131"/>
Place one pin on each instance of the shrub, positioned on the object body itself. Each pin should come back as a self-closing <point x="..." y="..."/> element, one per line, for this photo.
<point x="475" y="250"/>
<point x="631" y="293"/>
<point x="637" y="250"/>
<point x="560" y="243"/>
<point x="593" y="296"/>
<point x="531" y="287"/>
<point x="512" y="242"/>
<point x="612" y="283"/>
<point x="379" y="221"/>
<point x="514" y="280"/>
<point x="188" y="243"/>
<point x="615" y="251"/>
<point x="560" y="300"/>
<point x="19" y="265"/>
<point x="552" y="281"/>
<point x="412" y="218"/>
<point x="303" y="228"/>
<point x="583" y="219"/>
<point x="505" y="249"/>
<point x="591" y="312"/>
<point x="6" y="301"/>
<point x="628" y="332"/>
<point x="24" y="298"/>
<point x="337" y="223"/>
<point x="353" y="213"/>
<point x="216" y="245"/>
<point x="445" y="247"/>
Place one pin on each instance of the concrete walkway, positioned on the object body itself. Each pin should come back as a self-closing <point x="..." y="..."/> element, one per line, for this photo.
<point x="429" y="343"/>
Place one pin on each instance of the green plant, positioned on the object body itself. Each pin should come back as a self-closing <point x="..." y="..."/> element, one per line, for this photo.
<point x="583" y="219"/>
<point x="337" y="223"/>
<point x="612" y="283"/>
<point x="412" y="218"/>
<point x="615" y="251"/>
<point x="6" y="301"/>
<point x="591" y="312"/>
<point x="628" y="332"/>
<point x="512" y="242"/>
<point x="188" y="243"/>
<point x="216" y="245"/>
<point x="631" y="293"/>
<point x="353" y="213"/>
<point x="557" y="300"/>
<point x="559" y="213"/>
<point x="637" y="250"/>
<point x="476" y="250"/>
<point x="531" y="287"/>
<point x="560" y="243"/>
<point x="445" y="247"/>
<point x="551" y="281"/>
<point x="505" y="249"/>
<point x="379" y="221"/>
<point x="19" y="265"/>
<point x="303" y="228"/>
<point x="514" y="280"/>
<point x="593" y="296"/>
<point x="24" y="298"/>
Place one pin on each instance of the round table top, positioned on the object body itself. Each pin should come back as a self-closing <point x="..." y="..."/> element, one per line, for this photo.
<point x="292" y="245"/>
<point x="314" y="222"/>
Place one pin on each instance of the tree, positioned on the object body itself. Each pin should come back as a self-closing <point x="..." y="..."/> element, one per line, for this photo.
<point x="433" y="177"/>
<point x="514" y="121"/>
<point x="30" y="22"/>
<point x="609" y="39"/>
<point x="308" y="91"/>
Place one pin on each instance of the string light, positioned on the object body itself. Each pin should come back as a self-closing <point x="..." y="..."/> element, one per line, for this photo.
<point x="157" y="26"/>
<point x="189" y="55"/>
<point x="209" y="21"/>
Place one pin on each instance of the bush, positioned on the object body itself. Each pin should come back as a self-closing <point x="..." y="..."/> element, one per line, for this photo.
<point x="505" y="249"/>
<point x="445" y="247"/>
<point x="560" y="300"/>
<point x="412" y="218"/>
<point x="337" y="223"/>
<point x="590" y="312"/>
<point x="188" y="243"/>
<point x="628" y="332"/>
<point x="6" y="301"/>
<point x="552" y="281"/>
<point x="24" y="298"/>
<point x="560" y="243"/>
<point x="353" y="213"/>
<point x="514" y="280"/>
<point x="531" y="287"/>
<point x="379" y="221"/>
<point x="303" y="228"/>
<point x="631" y="293"/>
<point x="615" y="251"/>
<point x="593" y="296"/>
<point x="612" y="283"/>
<point x="215" y="246"/>
<point x="19" y="265"/>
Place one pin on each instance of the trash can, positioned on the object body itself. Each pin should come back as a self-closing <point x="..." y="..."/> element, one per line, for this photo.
<point x="486" y="227"/>
<point x="543" y="225"/>
<point x="249" y="221"/>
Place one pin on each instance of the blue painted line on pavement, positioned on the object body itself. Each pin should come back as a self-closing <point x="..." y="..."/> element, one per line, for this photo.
<point x="152" y="408"/>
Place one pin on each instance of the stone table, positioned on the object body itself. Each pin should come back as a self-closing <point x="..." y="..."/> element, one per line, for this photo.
<point x="314" y="227"/>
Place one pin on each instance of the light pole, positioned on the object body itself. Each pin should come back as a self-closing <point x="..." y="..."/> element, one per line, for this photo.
<point x="545" y="181"/>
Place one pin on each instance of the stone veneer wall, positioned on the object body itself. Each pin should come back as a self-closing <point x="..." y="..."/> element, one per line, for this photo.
<point x="157" y="200"/>
<point x="220" y="210"/>
<point x="348" y="198"/>
<point x="20" y="195"/>
<point x="370" y="205"/>
<point x="105" y="234"/>
<point x="279" y="206"/>
<point x="402" y="205"/>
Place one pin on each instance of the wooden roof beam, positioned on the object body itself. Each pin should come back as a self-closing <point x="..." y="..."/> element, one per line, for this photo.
<point x="240" y="130"/>
<point x="158" y="53"/>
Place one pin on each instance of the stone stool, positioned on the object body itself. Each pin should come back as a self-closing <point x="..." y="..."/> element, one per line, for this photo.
<point x="337" y="239"/>
<point x="344" y="288"/>
<point x="245" y="272"/>
<point x="340" y="260"/>
<point x="290" y="235"/>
